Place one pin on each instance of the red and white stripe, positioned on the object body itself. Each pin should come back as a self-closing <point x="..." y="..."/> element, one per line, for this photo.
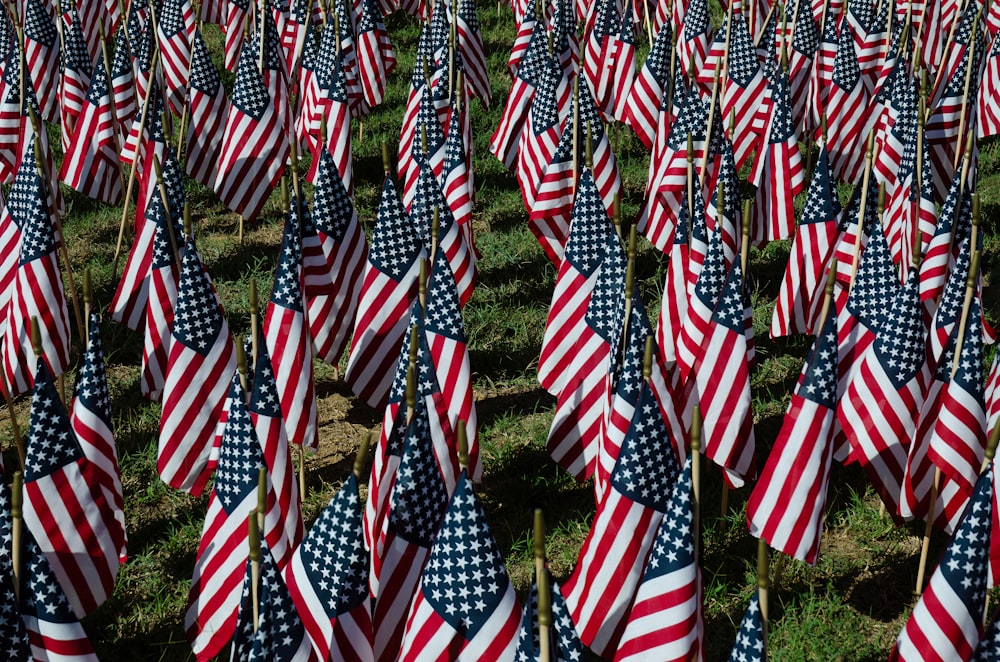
<point x="209" y="110"/>
<point x="175" y="52"/>
<point x="157" y="330"/>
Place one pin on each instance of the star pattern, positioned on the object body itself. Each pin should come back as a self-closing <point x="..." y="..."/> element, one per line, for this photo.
<point x="969" y="375"/>
<point x="862" y="13"/>
<point x="197" y="317"/>
<point x="534" y="58"/>
<point x="567" y="648"/>
<point x="606" y="309"/>
<point x="464" y="579"/>
<point x="658" y="60"/>
<point x="989" y="645"/>
<point x="782" y="130"/>
<point x="426" y="198"/>
<point x="544" y="111"/>
<point x="805" y="39"/>
<point x="742" y="63"/>
<point x="846" y="72"/>
<point x="240" y="455"/>
<point x="713" y="272"/>
<point x="333" y="553"/>
<point x="419" y="496"/>
<point x="965" y="566"/>
<point x="163" y="250"/>
<point x="394" y="245"/>
<point x="695" y="20"/>
<point x="953" y="297"/>
<point x="171" y="19"/>
<point x="673" y="548"/>
<point x="899" y="345"/>
<point x="821" y="204"/>
<point x="204" y="77"/>
<point x="332" y="211"/>
<point x="876" y="284"/>
<point x="74" y="53"/>
<point x="427" y="383"/>
<point x="264" y="401"/>
<point x="729" y="312"/>
<point x="26" y="204"/>
<point x="690" y="121"/>
<point x="173" y="182"/>
<point x="818" y="382"/>
<point x="627" y="377"/>
<point x="38" y="25"/>
<point x="250" y="94"/>
<point x="646" y="469"/>
<point x="51" y="443"/>
<point x="589" y="226"/>
<point x="92" y="381"/>
<point x="13" y="637"/>
<point x="327" y="60"/>
<point x="749" y="646"/>
<point x="443" y="315"/>
<point x="287" y="291"/>
<point x="428" y="120"/>
<point x="41" y="594"/>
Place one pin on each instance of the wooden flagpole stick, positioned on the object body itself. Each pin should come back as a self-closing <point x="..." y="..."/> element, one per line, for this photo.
<point x="673" y="71"/>
<point x="62" y="49"/>
<point x="690" y="181"/>
<point x="629" y="287"/>
<point x="43" y="175"/>
<point x="241" y="364"/>
<point x="745" y="245"/>
<point x="616" y="216"/>
<point x="88" y="295"/>
<point x="544" y="590"/>
<point x="132" y="173"/>
<point x="362" y="457"/>
<point x="865" y="184"/>
<point x="263" y="32"/>
<point x="959" y="17"/>
<point x="435" y="227"/>
<point x="695" y="436"/>
<point x="965" y="92"/>
<point x="254" y="537"/>
<point x="763" y="583"/>
<point x="991" y="450"/>
<point x="254" y="321"/>
<point x="422" y="285"/>
<point x="17" y="527"/>
<point x="760" y="37"/>
<point x="111" y="96"/>
<point x="970" y="289"/>
<point x="462" y="442"/>
<point x="576" y="132"/>
<point x="386" y="162"/>
<point x="411" y="376"/>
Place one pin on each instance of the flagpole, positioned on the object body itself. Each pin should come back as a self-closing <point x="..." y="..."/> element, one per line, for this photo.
<point x="951" y="38"/>
<point x="576" y="132"/>
<point x="759" y="38"/>
<point x="43" y="175"/>
<point x="865" y="183"/>
<point x="88" y="293"/>
<point x="17" y="524"/>
<point x="362" y="457"/>
<point x="544" y="591"/>
<point x="763" y="584"/>
<point x="695" y="435"/>
<point x="254" y="538"/>
<point x="411" y="376"/>
<point x="135" y="165"/>
<point x="254" y="321"/>
<point x="241" y="364"/>
<point x="715" y="93"/>
<point x="970" y="289"/>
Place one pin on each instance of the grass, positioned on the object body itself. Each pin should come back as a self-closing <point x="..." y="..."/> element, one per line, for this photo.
<point x="851" y="604"/>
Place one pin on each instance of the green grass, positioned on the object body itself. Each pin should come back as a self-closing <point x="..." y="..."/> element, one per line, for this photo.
<point x="852" y="604"/>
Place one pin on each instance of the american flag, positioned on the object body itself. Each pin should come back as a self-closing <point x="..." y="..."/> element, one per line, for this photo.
<point x="256" y="140"/>
<point x="427" y="153"/>
<point x="90" y="419"/>
<point x="134" y="145"/>
<point x="622" y="51"/>
<point x="677" y="287"/>
<point x="779" y="172"/>
<point x="37" y="288"/>
<point x="993" y="393"/>
<point x="642" y="104"/>
<point x="348" y="57"/>
<point x="988" y="99"/>
<point x="122" y="80"/>
<point x="549" y="217"/>
<point x="801" y="58"/>
<point x="298" y="29"/>
<point x="848" y="120"/>
<point x="382" y="477"/>
<point x="603" y="18"/>
<point x="604" y="168"/>
<point x="334" y="249"/>
<point x="376" y="57"/>
<point x="388" y="289"/>
<point x="989" y="644"/>
<point x="418" y="500"/>
<point x="666" y="619"/>
<point x="64" y="504"/>
<point x="575" y="437"/>
<point x="449" y="353"/>
<point x="409" y="133"/>
<point x="175" y="31"/>
<point x="286" y="332"/>
<point x="11" y="115"/>
<point x="873" y="49"/>
<point x="41" y="54"/>
<point x="821" y="71"/>
<point x="704" y="77"/>
<point x="278" y="632"/>
<point x="334" y="104"/>
<point x="747" y="97"/>
<point x="464" y="562"/>
<point x="53" y="628"/>
<point x="457" y="174"/>
<point x="787" y="507"/>
<point x="701" y="304"/>
<point x="800" y="295"/>
<point x="201" y="360"/>
<point x="90" y="165"/>
<point x="939" y="260"/>
<point x="749" y="644"/>
<point x="504" y="142"/>
<point x="880" y="403"/>
<point x="540" y="135"/>
<point x="10" y="249"/>
<point x="282" y="485"/>
<point x="334" y="604"/>
<point x="234" y="27"/>
<point x="214" y="597"/>
<point x="946" y="623"/>
<point x="695" y="35"/>
<point x="609" y="568"/>
<point x="565" y="644"/>
<point x="589" y="228"/>
<point x="470" y="45"/>
<point x="526" y="22"/>
<point x="209" y="109"/>
<point x="722" y="373"/>
<point x="76" y="68"/>
<point x="307" y="122"/>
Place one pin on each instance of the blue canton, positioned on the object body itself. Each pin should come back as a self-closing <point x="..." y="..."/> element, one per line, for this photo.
<point x="419" y="496"/>
<point x="673" y="548"/>
<point x="51" y="443"/>
<point x="92" y="381"/>
<point x="240" y="455"/>
<point x="332" y="210"/>
<point x="443" y="315"/>
<point x="589" y="226"/>
<point x="198" y="317"/>
<point x="287" y="291"/>
<point x="606" y="309"/>
<point x="394" y="246"/>
<point x="749" y="645"/>
<point x="646" y="469"/>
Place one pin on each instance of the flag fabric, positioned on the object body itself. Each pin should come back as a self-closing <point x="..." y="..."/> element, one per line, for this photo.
<point x="470" y="46"/>
<point x="376" y="57"/>
<point x="800" y="295"/>
<point x="444" y="618"/>
<point x="549" y="217"/>
<point x="881" y="402"/>
<point x="76" y="68"/>
<point x="234" y="26"/>
<point x="37" y="288"/>
<point x="749" y="645"/>
<point x="666" y="620"/>
<point x="702" y="302"/>
<point x="90" y="419"/>
<point x="255" y="143"/>
<point x="54" y="631"/>
<point x="209" y="110"/>
<point x="609" y="568"/>
<point x="848" y="121"/>
<point x="722" y="373"/>
<point x="801" y="56"/>
<point x="201" y="359"/>
<point x="286" y="332"/>
<point x="746" y="98"/>
<point x="90" y="165"/>
<point x="604" y="166"/>
<point x="988" y="98"/>
<point x="787" y="507"/>
<point x="695" y="35"/>
<point x="457" y="184"/>
<point x="622" y="51"/>
<point x="428" y="150"/>
<point x="821" y="71"/>
<point x="277" y="633"/>
<point x="13" y="630"/>
<point x="334" y="104"/>
<point x="954" y="219"/>
<point x="541" y="132"/>
<point x="64" y="504"/>
<point x="946" y="623"/>
<point x="334" y="250"/>
<point x="387" y="291"/>
<point x="677" y="286"/>
<point x="175" y="30"/>
<point x="642" y="104"/>
<point x="417" y="503"/>
<point x="41" y="55"/>
<point x="565" y="644"/>
<point x="504" y="142"/>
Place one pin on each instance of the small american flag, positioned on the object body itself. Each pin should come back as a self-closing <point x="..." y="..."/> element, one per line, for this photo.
<point x="503" y="144"/>
<point x="703" y="300"/>
<point x="334" y="104"/>
<point x="749" y="645"/>
<point x="175" y="31"/>
<point x="209" y="109"/>
<point x="334" y="604"/>
<point x="76" y="68"/>
<point x="566" y="645"/>
<point x="464" y="562"/>
<point x="939" y="261"/>
<point x="848" y="121"/>
<point x="988" y="99"/>
<point x="122" y="80"/>
<point x="676" y="288"/>
<point x="549" y="217"/>
<point x="747" y="96"/>
<point x="470" y="46"/>
<point x="41" y="55"/>
<point x="376" y="57"/>
<point x="622" y="51"/>
<point x="13" y="631"/>
<point x="692" y="43"/>
<point x="801" y="57"/>
<point x="642" y="105"/>
<point x="540" y="135"/>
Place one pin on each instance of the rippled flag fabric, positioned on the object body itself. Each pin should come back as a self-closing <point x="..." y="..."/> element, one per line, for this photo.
<point x="565" y="644"/>
<point x="76" y="67"/>
<point x="201" y="360"/>
<point x="749" y="645"/>
<point x="642" y="103"/>
<point x="504" y="142"/>
<point x="465" y="604"/>
<point x="335" y="606"/>
<point x="540" y="135"/>
<point x="333" y="103"/>
<point x="64" y="505"/>
<point x="41" y="54"/>
<point x="175" y="30"/>
<point x="13" y="630"/>
<point x="470" y="45"/>
<point x="376" y="57"/>
<point x="208" y="108"/>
